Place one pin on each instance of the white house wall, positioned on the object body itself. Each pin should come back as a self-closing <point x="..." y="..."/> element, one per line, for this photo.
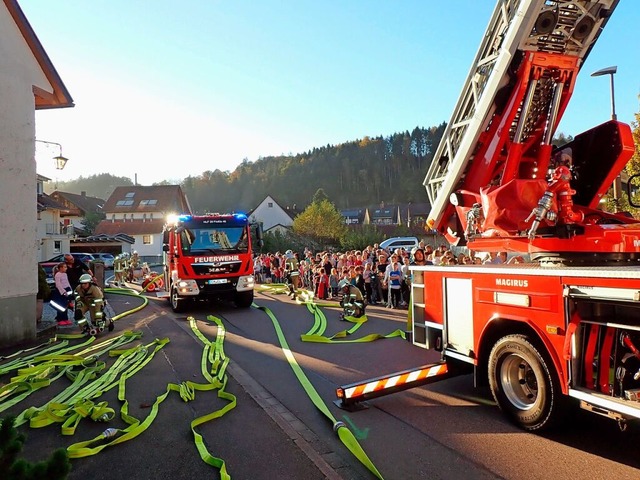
<point x="153" y="250"/>
<point x="46" y="240"/>
<point x="271" y="216"/>
<point x="19" y="71"/>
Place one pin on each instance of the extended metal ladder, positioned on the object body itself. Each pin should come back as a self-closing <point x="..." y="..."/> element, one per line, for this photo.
<point x="547" y="26"/>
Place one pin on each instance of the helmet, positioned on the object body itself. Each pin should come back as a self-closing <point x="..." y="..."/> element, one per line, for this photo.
<point x="85" y="278"/>
<point x="344" y="283"/>
<point x="288" y="254"/>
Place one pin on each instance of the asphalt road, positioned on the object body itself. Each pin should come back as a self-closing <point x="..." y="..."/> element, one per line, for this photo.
<point x="447" y="430"/>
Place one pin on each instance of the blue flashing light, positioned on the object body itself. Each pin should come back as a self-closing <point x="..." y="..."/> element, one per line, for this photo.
<point x="184" y="218"/>
<point x="240" y="216"/>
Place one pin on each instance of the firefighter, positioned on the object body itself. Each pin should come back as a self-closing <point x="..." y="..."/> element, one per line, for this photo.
<point x="88" y="298"/>
<point x="352" y="301"/>
<point x="292" y="270"/>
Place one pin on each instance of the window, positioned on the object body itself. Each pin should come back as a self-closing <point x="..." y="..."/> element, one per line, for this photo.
<point x="151" y="216"/>
<point x="270" y="204"/>
<point x="57" y="246"/>
<point x="144" y="203"/>
<point x="130" y="195"/>
<point x="124" y="203"/>
<point x="147" y="240"/>
<point x="113" y="217"/>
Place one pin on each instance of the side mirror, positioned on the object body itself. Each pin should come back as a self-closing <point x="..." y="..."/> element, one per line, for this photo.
<point x="633" y="190"/>
<point x="165" y="247"/>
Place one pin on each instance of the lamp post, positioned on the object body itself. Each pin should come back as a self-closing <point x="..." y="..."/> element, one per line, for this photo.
<point x="59" y="159"/>
<point x="609" y="71"/>
<point x="617" y="183"/>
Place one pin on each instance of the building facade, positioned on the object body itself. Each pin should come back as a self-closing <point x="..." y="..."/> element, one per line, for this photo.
<point x="28" y="82"/>
<point x="140" y="212"/>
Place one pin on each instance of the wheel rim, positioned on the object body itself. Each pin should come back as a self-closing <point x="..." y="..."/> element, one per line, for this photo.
<point x="174" y="299"/>
<point x="519" y="382"/>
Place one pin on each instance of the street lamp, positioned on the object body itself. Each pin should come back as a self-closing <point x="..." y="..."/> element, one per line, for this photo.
<point x="60" y="160"/>
<point x="617" y="183"/>
<point x="609" y="71"/>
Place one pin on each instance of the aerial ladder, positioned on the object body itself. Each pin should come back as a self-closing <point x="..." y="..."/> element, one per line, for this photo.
<point x="496" y="182"/>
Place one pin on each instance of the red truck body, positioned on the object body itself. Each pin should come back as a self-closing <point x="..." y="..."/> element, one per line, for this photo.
<point x="208" y="257"/>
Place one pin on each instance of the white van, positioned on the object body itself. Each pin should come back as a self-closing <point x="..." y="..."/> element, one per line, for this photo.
<point x="390" y="244"/>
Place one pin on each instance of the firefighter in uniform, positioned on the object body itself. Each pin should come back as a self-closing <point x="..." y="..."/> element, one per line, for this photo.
<point x="292" y="269"/>
<point x="352" y="300"/>
<point x="89" y="298"/>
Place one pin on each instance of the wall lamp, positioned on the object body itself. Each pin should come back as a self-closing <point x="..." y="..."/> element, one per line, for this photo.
<point x="60" y="160"/>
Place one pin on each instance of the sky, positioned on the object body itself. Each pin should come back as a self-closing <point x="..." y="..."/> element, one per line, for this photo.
<point x="166" y="89"/>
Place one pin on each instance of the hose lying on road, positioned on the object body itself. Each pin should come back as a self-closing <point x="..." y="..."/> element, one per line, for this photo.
<point x="345" y="435"/>
<point x="81" y="363"/>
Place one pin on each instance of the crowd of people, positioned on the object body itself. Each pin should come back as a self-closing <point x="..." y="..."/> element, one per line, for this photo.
<point x="383" y="277"/>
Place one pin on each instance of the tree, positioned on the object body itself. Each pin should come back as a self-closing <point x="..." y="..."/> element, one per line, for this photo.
<point x="631" y="168"/>
<point x="56" y="467"/>
<point x="358" y="237"/>
<point x="91" y="221"/>
<point x="560" y="139"/>
<point x="320" y="221"/>
<point x="319" y="196"/>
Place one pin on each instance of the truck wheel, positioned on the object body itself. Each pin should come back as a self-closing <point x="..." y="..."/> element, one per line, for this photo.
<point x="522" y="384"/>
<point x="178" y="303"/>
<point x="244" y="299"/>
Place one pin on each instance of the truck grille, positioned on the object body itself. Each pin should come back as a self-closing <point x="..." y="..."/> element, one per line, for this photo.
<point x="216" y="268"/>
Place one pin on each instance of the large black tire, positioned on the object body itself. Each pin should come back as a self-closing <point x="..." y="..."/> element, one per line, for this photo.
<point x="522" y="384"/>
<point x="178" y="303"/>
<point x="244" y="299"/>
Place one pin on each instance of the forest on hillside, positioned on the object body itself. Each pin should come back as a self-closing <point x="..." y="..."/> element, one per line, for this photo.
<point x="360" y="173"/>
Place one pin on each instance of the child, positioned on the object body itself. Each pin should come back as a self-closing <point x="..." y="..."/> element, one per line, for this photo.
<point x="60" y="295"/>
<point x="323" y="284"/>
<point x="333" y="282"/>
<point x="366" y="275"/>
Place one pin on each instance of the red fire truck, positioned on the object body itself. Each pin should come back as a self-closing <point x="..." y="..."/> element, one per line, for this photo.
<point x="208" y="257"/>
<point x="564" y="327"/>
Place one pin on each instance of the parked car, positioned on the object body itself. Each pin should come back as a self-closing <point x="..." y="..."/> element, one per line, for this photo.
<point x="48" y="265"/>
<point x="106" y="258"/>
<point x="390" y="244"/>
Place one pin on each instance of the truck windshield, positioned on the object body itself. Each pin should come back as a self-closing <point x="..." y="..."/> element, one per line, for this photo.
<point x="214" y="240"/>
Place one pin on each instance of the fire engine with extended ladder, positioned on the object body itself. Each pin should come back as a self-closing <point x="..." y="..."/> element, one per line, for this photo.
<point x="564" y="327"/>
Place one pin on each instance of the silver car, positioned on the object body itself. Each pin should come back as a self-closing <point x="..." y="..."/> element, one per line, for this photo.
<point x="106" y="258"/>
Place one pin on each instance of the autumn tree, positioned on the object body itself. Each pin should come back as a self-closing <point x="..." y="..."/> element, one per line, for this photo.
<point x="320" y="221"/>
